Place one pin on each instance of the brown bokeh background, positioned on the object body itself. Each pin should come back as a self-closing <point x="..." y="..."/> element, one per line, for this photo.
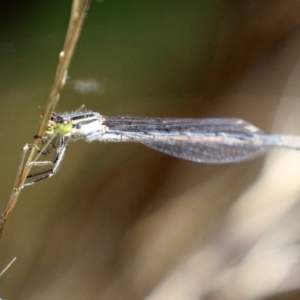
<point x="120" y="221"/>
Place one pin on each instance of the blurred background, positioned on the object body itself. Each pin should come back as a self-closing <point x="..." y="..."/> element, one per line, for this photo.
<point x="121" y="221"/>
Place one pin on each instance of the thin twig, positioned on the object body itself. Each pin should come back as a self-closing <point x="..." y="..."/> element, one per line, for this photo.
<point x="78" y="13"/>
<point x="8" y="266"/>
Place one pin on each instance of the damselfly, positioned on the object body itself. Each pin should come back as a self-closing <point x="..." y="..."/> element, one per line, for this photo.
<point x="198" y="140"/>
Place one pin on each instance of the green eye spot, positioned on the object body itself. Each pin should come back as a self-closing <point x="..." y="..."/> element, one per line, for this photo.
<point x="64" y="127"/>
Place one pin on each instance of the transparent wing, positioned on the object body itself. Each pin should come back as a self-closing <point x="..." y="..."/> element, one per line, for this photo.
<point x="200" y="140"/>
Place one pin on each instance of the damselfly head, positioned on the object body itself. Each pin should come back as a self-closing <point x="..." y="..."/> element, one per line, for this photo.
<point x="62" y="124"/>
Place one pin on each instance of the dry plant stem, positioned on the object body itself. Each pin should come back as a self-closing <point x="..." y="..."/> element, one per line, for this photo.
<point x="78" y="13"/>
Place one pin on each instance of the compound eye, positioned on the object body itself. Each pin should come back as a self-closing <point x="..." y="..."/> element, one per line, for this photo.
<point x="63" y="121"/>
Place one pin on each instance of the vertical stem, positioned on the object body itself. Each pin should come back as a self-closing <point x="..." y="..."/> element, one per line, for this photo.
<point x="78" y="13"/>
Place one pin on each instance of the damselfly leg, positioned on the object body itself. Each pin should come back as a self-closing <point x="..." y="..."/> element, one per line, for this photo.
<point x="58" y="144"/>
